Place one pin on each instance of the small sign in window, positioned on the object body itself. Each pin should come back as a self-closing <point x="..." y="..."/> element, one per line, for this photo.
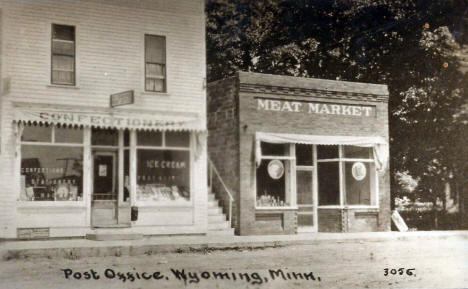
<point x="102" y="170"/>
<point x="275" y="169"/>
<point x="359" y="171"/>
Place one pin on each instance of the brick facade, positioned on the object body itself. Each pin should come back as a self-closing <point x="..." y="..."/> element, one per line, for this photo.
<point x="250" y="121"/>
<point x="223" y="139"/>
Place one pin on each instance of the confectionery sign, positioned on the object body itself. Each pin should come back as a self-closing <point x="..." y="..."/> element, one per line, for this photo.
<point x="107" y="119"/>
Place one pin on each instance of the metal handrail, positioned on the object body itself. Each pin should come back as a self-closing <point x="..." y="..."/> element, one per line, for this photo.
<point x="231" y="199"/>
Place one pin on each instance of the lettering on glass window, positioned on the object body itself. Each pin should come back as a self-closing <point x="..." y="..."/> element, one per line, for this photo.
<point x="51" y="164"/>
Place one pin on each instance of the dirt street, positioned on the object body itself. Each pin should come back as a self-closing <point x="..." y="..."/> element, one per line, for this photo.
<point x="435" y="264"/>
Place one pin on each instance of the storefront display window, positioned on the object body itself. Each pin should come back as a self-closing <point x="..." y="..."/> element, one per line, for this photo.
<point x="163" y="172"/>
<point x="271" y="184"/>
<point x="51" y="171"/>
<point x="346" y="176"/>
<point x="273" y="176"/>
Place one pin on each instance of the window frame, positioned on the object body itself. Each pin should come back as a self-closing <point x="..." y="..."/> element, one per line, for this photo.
<point x="293" y="167"/>
<point x="290" y="183"/>
<point x="51" y="143"/>
<point x="342" y="182"/>
<point x="52" y="82"/>
<point x="164" y="147"/>
<point x="165" y="90"/>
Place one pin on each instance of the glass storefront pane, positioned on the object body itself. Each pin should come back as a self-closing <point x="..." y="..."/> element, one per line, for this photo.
<point x="328" y="183"/>
<point x="327" y="152"/>
<point x="126" y="168"/>
<point x="271" y="183"/>
<point x="358" y="184"/>
<point x="163" y="176"/>
<point x="104" y="137"/>
<point x="304" y="187"/>
<point x="304" y="155"/>
<point x="37" y="133"/>
<point x="105" y="175"/>
<point x="149" y="138"/>
<point x="177" y="139"/>
<point x="356" y="152"/>
<point x="271" y="149"/>
<point x="51" y="173"/>
<point x="68" y="135"/>
<point x="126" y="138"/>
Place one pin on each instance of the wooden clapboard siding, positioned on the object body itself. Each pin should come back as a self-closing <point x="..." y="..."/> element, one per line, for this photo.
<point x="109" y="59"/>
<point x="109" y="53"/>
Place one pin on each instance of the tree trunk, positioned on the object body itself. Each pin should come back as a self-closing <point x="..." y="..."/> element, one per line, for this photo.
<point x="436" y="215"/>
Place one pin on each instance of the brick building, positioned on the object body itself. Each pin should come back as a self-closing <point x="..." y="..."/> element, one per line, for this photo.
<point x="72" y="160"/>
<point x="300" y="155"/>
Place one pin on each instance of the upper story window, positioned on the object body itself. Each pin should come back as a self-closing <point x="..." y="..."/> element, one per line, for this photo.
<point x="63" y="55"/>
<point x="155" y="63"/>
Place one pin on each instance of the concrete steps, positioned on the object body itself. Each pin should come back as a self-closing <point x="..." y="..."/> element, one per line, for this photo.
<point x="217" y="225"/>
<point x="217" y="221"/>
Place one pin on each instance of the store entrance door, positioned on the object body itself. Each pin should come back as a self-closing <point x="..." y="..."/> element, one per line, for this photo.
<point x="105" y="197"/>
<point x="307" y="213"/>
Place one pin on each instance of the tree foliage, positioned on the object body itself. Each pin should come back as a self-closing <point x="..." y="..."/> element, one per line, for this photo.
<point x="407" y="44"/>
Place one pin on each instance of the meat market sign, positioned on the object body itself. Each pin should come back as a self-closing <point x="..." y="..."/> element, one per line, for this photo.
<point x="295" y="106"/>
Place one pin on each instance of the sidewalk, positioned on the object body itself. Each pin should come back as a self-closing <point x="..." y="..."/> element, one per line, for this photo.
<point x="77" y="248"/>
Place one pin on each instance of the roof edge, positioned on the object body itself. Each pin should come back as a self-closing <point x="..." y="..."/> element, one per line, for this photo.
<point x="293" y="82"/>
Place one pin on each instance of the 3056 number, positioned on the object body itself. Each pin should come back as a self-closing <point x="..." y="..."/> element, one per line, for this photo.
<point x="399" y="271"/>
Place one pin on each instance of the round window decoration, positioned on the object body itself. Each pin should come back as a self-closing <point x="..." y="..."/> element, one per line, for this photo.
<point x="359" y="171"/>
<point x="62" y="192"/>
<point x="275" y="169"/>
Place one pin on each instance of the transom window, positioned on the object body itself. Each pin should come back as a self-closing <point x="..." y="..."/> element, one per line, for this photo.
<point x="155" y="63"/>
<point x="63" y="55"/>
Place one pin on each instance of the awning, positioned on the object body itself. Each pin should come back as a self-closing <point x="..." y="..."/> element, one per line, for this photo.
<point x="379" y="144"/>
<point x="110" y="118"/>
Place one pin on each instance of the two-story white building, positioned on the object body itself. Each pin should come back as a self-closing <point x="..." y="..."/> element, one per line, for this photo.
<point x="73" y="158"/>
